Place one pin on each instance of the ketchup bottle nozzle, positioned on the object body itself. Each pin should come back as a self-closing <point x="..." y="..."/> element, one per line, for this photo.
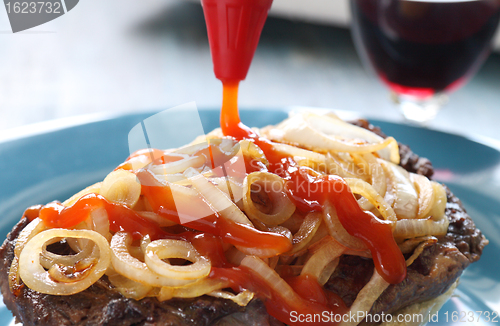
<point x="234" y="28"/>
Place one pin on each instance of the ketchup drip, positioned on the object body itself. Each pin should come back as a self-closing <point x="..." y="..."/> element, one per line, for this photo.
<point x="310" y="191"/>
<point x="313" y="299"/>
<point x="161" y="199"/>
<point x="121" y="218"/>
<point x="232" y="126"/>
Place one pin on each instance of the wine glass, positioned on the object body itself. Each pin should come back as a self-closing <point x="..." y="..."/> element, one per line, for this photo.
<point x="423" y="49"/>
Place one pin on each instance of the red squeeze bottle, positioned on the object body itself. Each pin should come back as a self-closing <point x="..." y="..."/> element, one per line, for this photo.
<point x="234" y="28"/>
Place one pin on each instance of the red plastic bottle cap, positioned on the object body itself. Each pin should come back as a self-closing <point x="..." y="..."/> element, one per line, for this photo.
<point x="234" y="28"/>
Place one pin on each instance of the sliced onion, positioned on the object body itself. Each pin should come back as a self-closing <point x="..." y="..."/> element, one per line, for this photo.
<point x="153" y="217"/>
<point x="178" y="178"/>
<point x="439" y="203"/>
<point x="231" y="187"/>
<point x="71" y="274"/>
<point x="365" y="253"/>
<point x="122" y="187"/>
<point x="129" y="288"/>
<point x="37" y="279"/>
<point x="307" y="230"/>
<point x="234" y="256"/>
<point x="273" y="262"/>
<point x="406" y="204"/>
<point x="145" y="241"/>
<point x="303" y="157"/>
<point x="294" y="222"/>
<point x="377" y="173"/>
<point x="275" y="229"/>
<point x="168" y="248"/>
<point x="140" y="161"/>
<point x="249" y="149"/>
<point x="328" y="270"/>
<point x="228" y="146"/>
<point x="190" y="205"/>
<point x="272" y="186"/>
<point x="333" y="125"/>
<point x="360" y="166"/>
<point x="100" y="222"/>
<point x="390" y="193"/>
<point x="219" y="201"/>
<point x="33" y="228"/>
<point x="133" y="268"/>
<point x="406" y="229"/>
<point x="292" y="270"/>
<point x="259" y="252"/>
<point x="337" y="230"/>
<point x="272" y="279"/>
<point x="178" y="166"/>
<point x="420" y="248"/>
<point x="77" y="245"/>
<point x="93" y="189"/>
<point x="425" y="194"/>
<point x="329" y="251"/>
<point x="297" y="258"/>
<point x="195" y="146"/>
<point x="320" y="233"/>
<point x="193" y="290"/>
<point x="364" y="189"/>
<point x="188" y="173"/>
<point x="241" y="299"/>
<point x="378" y="180"/>
<point x="323" y="133"/>
<point x="48" y="259"/>
<point x="334" y="166"/>
<point x="409" y="245"/>
<point x="366" y="297"/>
<point x="97" y="221"/>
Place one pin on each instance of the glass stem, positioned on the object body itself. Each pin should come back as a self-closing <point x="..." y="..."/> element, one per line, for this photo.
<point x="419" y="110"/>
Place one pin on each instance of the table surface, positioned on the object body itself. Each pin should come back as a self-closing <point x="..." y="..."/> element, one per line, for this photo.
<point x="119" y="56"/>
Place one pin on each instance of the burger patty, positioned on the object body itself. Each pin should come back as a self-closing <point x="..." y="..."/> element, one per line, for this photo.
<point x="431" y="274"/>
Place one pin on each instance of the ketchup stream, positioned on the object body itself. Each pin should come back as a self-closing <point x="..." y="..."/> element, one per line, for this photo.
<point x="309" y="191"/>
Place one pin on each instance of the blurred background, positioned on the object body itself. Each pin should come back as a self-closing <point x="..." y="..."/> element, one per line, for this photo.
<point x="119" y="56"/>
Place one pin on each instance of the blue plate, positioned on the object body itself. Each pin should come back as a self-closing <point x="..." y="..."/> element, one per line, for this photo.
<point x="56" y="163"/>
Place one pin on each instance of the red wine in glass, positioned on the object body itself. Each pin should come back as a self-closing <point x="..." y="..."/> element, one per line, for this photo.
<point x="423" y="49"/>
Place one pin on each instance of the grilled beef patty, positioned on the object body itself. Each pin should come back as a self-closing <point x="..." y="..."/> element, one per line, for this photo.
<point x="431" y="274"/>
